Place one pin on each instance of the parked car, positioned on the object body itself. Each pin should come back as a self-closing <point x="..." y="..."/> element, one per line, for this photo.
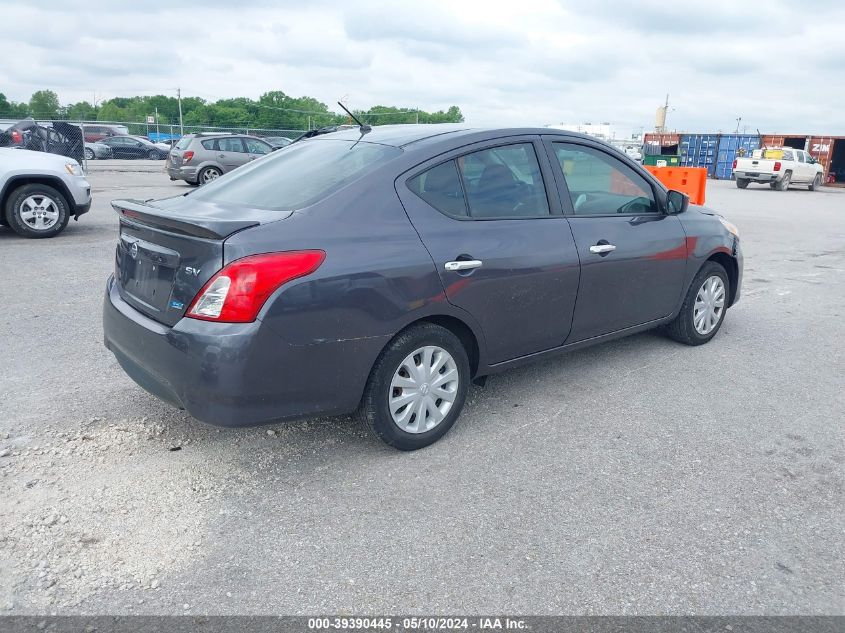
<point x="39" y="192"/>
<point x="99" y="131"/>
<point x="382" y="272"/>
<point x="200" y="158"/>
<point x="134" y="147"/>
<point x="278" y="141"/>
<point x="97" y="150"/>
<point x="52" y="137"/>
<point x="779" y="167"/>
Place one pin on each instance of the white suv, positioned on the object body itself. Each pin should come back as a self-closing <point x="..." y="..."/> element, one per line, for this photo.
<point x="39" y="192"/>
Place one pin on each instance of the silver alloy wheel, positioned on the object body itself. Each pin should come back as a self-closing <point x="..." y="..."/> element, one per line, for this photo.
<point x="709" y="305"/>
<point x="39" y="212"/>
<point x="423" y="389"/>
<point x="89" y="153"/>
<point x="209" y="174"/>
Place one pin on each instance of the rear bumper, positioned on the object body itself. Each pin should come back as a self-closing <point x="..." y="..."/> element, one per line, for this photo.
<point x="182" y="173"/>
<point x="234" y="374"/>
<point x="758" y="177"/>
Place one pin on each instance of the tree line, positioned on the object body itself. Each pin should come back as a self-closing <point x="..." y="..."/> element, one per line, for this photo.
<point x="273" y="110"/>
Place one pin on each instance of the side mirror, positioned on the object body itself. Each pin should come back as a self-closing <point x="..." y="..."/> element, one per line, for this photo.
<point x="676" y="202"/>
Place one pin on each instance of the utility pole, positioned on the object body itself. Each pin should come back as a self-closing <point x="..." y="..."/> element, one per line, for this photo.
<point x="157" y="135"/>
<point x="418" y="117"/>
<point x="179" y="98"/>
<point x="738" y="119"/>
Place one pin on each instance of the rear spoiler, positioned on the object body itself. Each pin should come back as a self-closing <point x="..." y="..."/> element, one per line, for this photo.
<point x="207" y="226"/>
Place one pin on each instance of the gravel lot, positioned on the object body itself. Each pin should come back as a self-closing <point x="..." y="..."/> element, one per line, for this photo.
<point x="640" y="476"/>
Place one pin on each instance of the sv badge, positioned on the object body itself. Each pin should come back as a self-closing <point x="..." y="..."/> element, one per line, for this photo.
<point x="192" y="271"/>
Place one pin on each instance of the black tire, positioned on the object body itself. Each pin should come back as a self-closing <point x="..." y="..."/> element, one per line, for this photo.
<point x="817" y="182"/>
<point x="783" y="185"/>
<point x="742" y="183"/>
<point x="152" y="155"/>
<point x="14" y="210"/>
<point x="374" y="410"/>
<point x="89" y="153"/>
<point x="682" y="329"/>
<point x="773" y="185"/>
<point x="204" y="177"/>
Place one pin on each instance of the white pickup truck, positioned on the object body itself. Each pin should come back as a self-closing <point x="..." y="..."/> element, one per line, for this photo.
<point x="779" y="167"/>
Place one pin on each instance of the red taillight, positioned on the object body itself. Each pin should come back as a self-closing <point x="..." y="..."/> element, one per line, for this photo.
<point x="238" y="291"/>
<point x="777" y="165"/>
<point x="17" y="137"/>
<point x="187" y="156"/>
<point x="734" y="163"/>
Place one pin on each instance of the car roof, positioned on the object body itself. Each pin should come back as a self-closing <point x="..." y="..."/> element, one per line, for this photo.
<point x="405" y="135"/>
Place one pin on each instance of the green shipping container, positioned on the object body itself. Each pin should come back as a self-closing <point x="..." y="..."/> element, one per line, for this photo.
<point x="662" y="161"/>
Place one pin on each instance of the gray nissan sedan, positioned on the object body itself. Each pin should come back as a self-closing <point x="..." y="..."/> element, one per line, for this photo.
<point x="381" y="271"/>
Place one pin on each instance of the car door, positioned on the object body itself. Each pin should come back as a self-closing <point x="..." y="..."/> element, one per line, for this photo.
<point x="118" y="145"/>
<point x="491" y="220"/>
<point x="633" y="255"/>
<point x="256" y="148"/>
<point x="231" y="152"/>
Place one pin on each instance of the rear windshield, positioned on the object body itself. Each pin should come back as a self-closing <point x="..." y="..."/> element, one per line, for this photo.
<point x="184" y="142"/>
<point x="299" y="175"/>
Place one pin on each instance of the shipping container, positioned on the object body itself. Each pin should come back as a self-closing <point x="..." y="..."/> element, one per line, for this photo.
<point x="699" y="150"/>
<point x="729" y="146"/>
<point x="830" y="152"/>
<point x="661" y="143"/>
<point x="784" y="140"/>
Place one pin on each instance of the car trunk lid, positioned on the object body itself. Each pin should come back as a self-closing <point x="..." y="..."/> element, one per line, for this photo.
<point x="168" y="249"/>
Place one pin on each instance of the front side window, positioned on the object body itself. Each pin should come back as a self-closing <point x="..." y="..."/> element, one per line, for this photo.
<point x="254" y="146"/>
<point x="600" y="184"/>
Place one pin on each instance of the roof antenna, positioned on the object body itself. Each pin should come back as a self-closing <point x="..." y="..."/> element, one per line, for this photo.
<point x="364" y="128"/>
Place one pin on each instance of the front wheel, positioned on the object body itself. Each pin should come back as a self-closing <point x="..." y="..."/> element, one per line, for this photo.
<point x="703" y="310"/>
<point x="817" y="182"/>
<point x="37" y="211"/>
<point x="152" y="155"/>
<point x="742" y="183"/>
<point x="89" y="153"/>
<point x="417" y="387"/>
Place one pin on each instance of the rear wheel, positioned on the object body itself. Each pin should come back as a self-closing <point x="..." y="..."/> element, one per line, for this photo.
<point x="704" y="307"/>
<point x="208" y="174"/>
<point x="37" y="211"/>
<point x="817" y="182"/>
<point x="783" y="185"/>
<point x="152" y="155"/>
<point x="742" y="183"/>
<point x="417" y="387"/>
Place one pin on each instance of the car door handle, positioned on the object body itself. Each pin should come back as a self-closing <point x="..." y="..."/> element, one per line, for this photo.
<point x="465" y="264"/>
<point x="602" y="248"/>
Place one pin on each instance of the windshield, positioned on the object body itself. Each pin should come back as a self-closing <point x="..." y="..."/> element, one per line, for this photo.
<point x="302" y="174"/>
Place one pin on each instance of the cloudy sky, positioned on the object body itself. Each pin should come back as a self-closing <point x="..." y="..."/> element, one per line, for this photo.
<point x="781" y="67"/>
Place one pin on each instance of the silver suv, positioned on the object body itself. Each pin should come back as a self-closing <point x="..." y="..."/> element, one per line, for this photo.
<point x="200" y="158"/>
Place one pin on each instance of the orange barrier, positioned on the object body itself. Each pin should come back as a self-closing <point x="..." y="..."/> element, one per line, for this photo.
<point x="688" y="180"/>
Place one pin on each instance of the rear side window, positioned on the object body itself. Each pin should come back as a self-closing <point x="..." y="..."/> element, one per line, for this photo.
<point x="441" y="187"/>
<point x="229" y="144"/>
<point x="208" y="144"/>
<point x="305" y="173"/>
<point x="504" y="182"/>
<point x="500" y="182"/>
